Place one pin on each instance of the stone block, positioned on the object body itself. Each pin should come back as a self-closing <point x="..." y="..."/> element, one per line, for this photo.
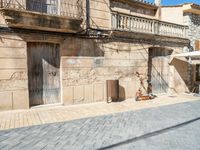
<point x="138" y="56"/>
<point x="13" y="74"/>
<point x="68" y="95"/>
<point x="13" y="84"/>
<point x="89" y="93"/>
<point x="131" y="88"/>
<point x="12" y="52"/>
<point x="99" y="6"/>
<point x="79" y="94"/>
<point x="77" y="62"/>
<point x="12" y="41"/>
<point x="138" y="63"/>
<point x="116" y="63"/>
<point x="117" y="55"/>
<point x="96" y="22"/>
<point x="6" y="100"/>
<point x="100" y="14"/>
<point x="99" y="92"/>
<point x="20" y="99"/>
<point x="13" y="63"/>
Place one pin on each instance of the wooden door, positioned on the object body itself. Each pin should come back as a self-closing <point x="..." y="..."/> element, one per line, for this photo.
<point x="159" y="70"/>
<point x="43" y="73"/>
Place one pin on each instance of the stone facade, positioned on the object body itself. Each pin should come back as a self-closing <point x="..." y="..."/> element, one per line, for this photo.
<point x="86" y="65"/>
<point x="86" y="62"/>
<point x="193" y="21"/>
<point x="187" y="14"/>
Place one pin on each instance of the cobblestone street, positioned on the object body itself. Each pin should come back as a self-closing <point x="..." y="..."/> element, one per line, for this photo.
<point x="53" y="114"/>
<point x="169" y="127"/>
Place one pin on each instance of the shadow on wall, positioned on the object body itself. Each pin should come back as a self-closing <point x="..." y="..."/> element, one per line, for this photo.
<point x="181" y="68"/>
<point x="133" y="8"/>
<point x="82" y="47"/>
<point x="122" y="94"/>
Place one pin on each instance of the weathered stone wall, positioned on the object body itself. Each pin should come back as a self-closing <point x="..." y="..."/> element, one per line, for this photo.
<point x="133" y="9"/>
<point x="86" y="64"/>
<point x="193" y="21"/>
<point x="99" y="14"/>
<point x="180" y="76"/>
<point x="13" y="73"/>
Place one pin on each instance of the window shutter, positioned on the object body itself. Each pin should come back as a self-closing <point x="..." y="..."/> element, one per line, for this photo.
<point x="197" y="45"/>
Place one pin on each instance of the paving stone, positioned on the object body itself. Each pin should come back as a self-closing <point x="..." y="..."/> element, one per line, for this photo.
<point x="169" y="127"/>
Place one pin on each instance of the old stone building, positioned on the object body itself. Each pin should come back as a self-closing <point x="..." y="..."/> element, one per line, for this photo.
<point x="62" y="52"/>
<point x="187" y="14"/>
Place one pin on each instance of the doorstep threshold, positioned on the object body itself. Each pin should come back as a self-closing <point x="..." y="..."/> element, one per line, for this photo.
<point x="47" y="105"/>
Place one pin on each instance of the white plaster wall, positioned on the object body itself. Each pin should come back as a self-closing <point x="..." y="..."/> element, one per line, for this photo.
<point x="172" y="14"/>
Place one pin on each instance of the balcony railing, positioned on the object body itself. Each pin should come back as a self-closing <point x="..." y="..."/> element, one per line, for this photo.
<point x="131" y="23"/>
<point x="69" y="8"/>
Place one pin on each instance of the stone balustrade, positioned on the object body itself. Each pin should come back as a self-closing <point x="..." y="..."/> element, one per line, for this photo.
<point x="124" y="22"/>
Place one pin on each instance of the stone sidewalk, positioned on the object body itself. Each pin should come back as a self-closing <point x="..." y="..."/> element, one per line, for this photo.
<point x="38" y="116"/>
<point x="172" y="127"/>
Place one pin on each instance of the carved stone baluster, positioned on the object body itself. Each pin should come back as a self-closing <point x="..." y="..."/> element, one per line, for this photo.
<point x="120" y="22"/>
<point x="139" y="25"/>
<point x="136" y="24"/>
<point x="130" y="23"/>
<point x="142" y="26"/>
<point x="127" y="23"/>
<point x="150" y="26"/>
<point x="184" y="32"/>
<point x="145" y="25"/>
<point x="153" y="27"/>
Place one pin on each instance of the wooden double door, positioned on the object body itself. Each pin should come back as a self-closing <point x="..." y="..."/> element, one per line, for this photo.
<point x="43" y="73"/>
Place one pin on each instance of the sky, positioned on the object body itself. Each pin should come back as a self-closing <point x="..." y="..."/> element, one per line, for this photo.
<point x="175" y="2"/>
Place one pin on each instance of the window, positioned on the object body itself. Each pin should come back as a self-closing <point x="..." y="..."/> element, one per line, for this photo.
<point x="198" y="72"/>
<point x="44" y="6"/>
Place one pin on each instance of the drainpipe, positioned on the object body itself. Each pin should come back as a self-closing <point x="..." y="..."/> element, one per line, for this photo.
<point x="87" y="16"/>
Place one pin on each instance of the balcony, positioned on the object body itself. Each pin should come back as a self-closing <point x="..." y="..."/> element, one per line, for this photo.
<point x="49" y="15"/>
<point x="123" y="22"/>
